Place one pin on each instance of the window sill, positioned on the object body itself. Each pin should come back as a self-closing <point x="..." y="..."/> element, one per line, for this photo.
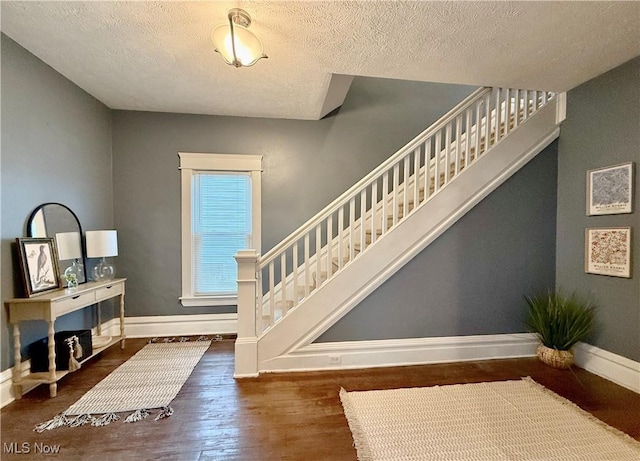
<point x="205" y="301"/>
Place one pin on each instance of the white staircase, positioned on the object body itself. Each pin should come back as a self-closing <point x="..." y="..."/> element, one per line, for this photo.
<point x="299" y="289"/>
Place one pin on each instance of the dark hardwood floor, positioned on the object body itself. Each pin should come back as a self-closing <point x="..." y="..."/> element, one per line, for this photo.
<point x="276" y="417"/>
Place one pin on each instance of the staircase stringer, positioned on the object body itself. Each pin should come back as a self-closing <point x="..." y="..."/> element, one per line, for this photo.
<point x="336" y="297"/>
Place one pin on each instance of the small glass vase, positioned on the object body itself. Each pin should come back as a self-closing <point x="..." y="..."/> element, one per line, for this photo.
<point x="72" y="283"/>
<point x="73" y="274"/>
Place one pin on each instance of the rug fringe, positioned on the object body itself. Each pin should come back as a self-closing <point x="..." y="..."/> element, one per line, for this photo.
<point x="58" y="421"/>
<point x="80" y="420"/>
<point x="101" y="420"/>
<point x="104" y="420"/>
<point x="165" y="412"/>
<point x="363" y="450"/>
<point x="137" y="415"/>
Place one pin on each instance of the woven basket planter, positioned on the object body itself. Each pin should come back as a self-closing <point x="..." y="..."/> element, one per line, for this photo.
<point x="554" y="357"/>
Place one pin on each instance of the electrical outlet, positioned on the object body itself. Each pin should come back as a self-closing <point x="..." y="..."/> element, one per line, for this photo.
<point x="335" y="359"/>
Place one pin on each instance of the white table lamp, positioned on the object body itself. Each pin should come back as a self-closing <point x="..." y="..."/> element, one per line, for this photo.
<point x="70" y="248"/>
<point x="102" y="244"/>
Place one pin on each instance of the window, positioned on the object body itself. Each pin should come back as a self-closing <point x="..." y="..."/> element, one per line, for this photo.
<point x="220" y="215"/>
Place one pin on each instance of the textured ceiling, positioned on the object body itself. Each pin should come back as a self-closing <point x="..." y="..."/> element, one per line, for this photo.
<point x="157" y="56"/>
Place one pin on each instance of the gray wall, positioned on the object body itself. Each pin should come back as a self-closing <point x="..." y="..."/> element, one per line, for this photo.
<point x="472" y="279"/>
<point x="602" y="129"/>
<point x="56" y="147"/>
<point x="307" y="164"/>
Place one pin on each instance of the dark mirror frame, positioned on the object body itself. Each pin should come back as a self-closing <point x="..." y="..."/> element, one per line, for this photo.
<point x="30" y="232"/>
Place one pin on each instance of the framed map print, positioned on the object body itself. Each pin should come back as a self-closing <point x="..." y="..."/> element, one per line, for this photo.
<point x="608" y="251"/>
<point x="609" y="190"/>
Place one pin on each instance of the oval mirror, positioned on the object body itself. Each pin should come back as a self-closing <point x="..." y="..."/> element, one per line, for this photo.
<point x="57" y="221"/>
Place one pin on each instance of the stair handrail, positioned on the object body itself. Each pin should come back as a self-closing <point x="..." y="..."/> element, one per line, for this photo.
<point x="372" y="176"/>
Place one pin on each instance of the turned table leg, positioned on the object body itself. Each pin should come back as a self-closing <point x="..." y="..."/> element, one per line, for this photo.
<point x="53" y="386"/>
<point x="17" y="367"/>
<point x="99" y="315"/>
<point x="122" y="320"/>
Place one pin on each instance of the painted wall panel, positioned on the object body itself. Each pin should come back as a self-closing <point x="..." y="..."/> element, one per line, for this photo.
<point x="602" y="129"/>
<point x="56" y="147"/>
<point x="471" y="280"/>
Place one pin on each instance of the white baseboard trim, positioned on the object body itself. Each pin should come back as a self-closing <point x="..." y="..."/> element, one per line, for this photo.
<point x="142" y="327"/>
<point x="621" y="370"/>
<point x="400" y="352"/>
<point x="6" y="383"/>
<point x="174" y="325"/>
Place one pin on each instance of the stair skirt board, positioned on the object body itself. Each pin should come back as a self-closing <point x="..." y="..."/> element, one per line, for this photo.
<point x="401" y="352"/>
<point x="369" y="270"/>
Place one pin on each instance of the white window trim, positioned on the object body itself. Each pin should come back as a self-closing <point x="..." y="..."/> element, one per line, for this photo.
<point x="196" y="162"/>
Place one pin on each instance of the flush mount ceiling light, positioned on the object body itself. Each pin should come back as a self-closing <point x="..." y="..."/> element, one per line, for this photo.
<point x="237" y="46"/>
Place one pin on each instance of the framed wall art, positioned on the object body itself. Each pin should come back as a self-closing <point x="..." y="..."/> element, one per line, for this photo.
<point x="608" y="251"/>
<point x="609" y="190"/>
<point x="39" y="262"/>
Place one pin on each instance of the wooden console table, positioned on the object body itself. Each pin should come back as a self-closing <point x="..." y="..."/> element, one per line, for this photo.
<point x="49" y="307"/>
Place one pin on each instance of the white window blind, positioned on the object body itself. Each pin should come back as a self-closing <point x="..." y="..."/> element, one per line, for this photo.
<point x="221" y="225"/>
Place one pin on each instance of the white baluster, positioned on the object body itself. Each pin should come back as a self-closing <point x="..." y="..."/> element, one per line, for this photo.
<point x="456" y="152"/>
<point x="307" y="281"/>
<point x="340" y="237"/>
<point x="478" y="129"/>
<point x="467" y="131"/>
<point x="318" y="255"/>
<point x="352" y="218"/>
<point x="385" y="197"/>
<point x="416" y="177"/>
<point x="272" y="295"/>
<point x="329" y="246"/>
<point x="283" y="281"/>
<point x="394" y="187"/>
<point x="436" y="176"/>
<point x="487" y="139"/>
<point x="374" y="207"/>
<point x="294" y="272"/>
<point x="427" y="169"/>
<point x="405" y="192"/>
<point x="363" y="227"/>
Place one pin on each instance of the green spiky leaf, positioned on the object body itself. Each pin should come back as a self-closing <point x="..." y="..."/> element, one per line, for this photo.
<point x="560" y="321"/>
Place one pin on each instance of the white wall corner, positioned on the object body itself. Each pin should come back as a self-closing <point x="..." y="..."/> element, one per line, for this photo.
<point x="621" y="370"/>
<point x="246" y="358"/>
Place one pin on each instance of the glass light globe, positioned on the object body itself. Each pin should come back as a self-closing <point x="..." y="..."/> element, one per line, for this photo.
<point x="248" y="48"/>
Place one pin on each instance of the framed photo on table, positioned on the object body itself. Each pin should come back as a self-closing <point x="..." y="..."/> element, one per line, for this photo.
<point x="609" y="190"/>
<point x="608" y="251"/>
<point x="39" y="263"/>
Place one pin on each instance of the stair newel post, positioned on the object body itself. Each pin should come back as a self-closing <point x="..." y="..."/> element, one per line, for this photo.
<point x="246" y="346"/>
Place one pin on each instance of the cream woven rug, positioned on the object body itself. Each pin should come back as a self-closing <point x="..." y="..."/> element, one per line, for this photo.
<point x="507" y="420"/>
<point x="148" y="381"/>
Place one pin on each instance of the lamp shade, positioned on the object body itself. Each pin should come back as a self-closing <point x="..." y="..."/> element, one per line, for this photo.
<point x="236" y="44"/>
<point x="69" y="246"/>
<point x="102" y="243"/>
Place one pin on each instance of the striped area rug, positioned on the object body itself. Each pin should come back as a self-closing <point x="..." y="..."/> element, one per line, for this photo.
<point x="147" y="382"/>
<point x="507" y="420"/>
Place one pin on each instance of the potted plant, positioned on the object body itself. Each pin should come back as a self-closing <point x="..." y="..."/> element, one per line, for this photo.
<point x="559" y="322"/>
